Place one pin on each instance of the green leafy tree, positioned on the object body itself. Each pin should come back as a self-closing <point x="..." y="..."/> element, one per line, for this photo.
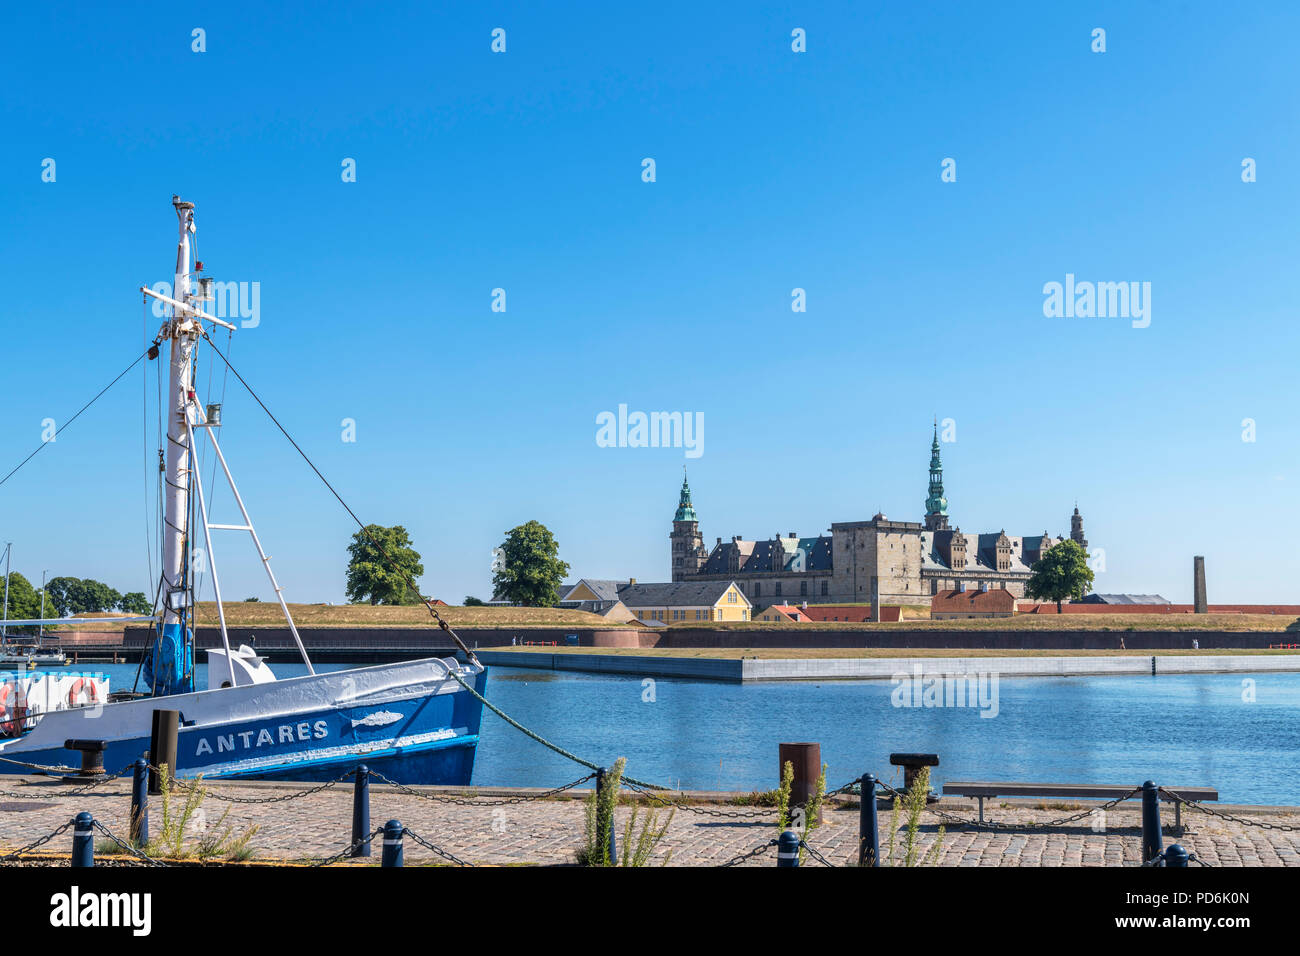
<point x="379" y="575"/>
<point x="530" y="572"/>
<point x="80" y="596"/>
<point x="134" y="603"/>
<point x="1061" y="573"/>
<point x="24" y="600"/>
<point x="471" y="601"/>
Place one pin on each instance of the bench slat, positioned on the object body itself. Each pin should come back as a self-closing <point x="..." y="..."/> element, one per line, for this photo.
<point x="1101" y="791"/>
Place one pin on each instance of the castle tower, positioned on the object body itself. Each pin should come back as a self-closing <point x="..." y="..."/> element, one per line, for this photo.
<point x="936" y="505"/>
<point x="688" y="550"/>
<point x="1076" y="529"/>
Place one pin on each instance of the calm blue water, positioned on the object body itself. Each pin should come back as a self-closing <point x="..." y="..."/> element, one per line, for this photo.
<point x="1177" y="730"/>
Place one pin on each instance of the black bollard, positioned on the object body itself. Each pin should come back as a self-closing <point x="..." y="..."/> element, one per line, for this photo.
<point x="361" y="810"/>
<point x="140" y="803"/>
<point x="868" y="825"/>
<point x="787" y="849"/>
<point x="1176" y="856"/>
<point x="83" y="840"/>
<point x="162" y="745"/>
<point x="392" y="855"/>
<point x="1151" y="839"/>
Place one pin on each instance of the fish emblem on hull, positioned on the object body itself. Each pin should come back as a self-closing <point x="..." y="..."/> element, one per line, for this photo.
<point x="380" y="718"/>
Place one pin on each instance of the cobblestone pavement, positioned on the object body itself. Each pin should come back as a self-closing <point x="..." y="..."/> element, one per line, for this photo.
<point x="549" y="831"/>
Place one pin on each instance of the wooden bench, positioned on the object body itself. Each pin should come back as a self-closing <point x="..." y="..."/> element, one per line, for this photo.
<point x="1080" y="791"/>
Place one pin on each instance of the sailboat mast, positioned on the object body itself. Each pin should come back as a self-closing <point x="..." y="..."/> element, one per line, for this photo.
<point x="183" y="331"/>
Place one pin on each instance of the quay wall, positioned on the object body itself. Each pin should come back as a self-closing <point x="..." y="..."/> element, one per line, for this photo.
<point x="885" y="668"/>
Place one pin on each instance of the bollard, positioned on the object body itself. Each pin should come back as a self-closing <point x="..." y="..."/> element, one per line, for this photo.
<point x="806" y="759"/>
<point x="868" y="825"/>
<point x="1176" y="856"/>
<point x="603" y="838"/>
<point x="162" y="745"/>
<point x="1151" y="840"/>
<point x="392" y="855"/>
<point x="140" y="803"/>
<point x="92" y="759"/>
<point x="361" y="811"/>
<point x="787" y="849"/>
<point x="83" y="840"/>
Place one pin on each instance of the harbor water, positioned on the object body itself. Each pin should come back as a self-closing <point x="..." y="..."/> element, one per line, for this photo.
<point x="1239" y="733"/>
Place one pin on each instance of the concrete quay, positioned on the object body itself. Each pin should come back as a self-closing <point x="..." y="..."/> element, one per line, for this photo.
<point x="737" y="670"/>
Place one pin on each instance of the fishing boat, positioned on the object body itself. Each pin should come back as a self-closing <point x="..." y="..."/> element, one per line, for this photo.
<point x="414" y="721"/>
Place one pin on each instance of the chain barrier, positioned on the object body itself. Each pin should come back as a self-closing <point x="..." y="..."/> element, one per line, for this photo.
<point x="749" y="854"/>
<point x="407" y="832"/>
<point x="1197" y="805"/>
<point x="57" y="794"/>
<point x="55" y="771"/>
<point x="348" y="851"/>
<point x="815" y="855"/>
<point x="705" y="811"/>
<point x="123" y="844"/>
<point x="1158" y="858"/>
<point x="475" y="801"/>
<point x="31" y="846"/>
<point x="989" y="825"/>
<point x="282" y="798"/>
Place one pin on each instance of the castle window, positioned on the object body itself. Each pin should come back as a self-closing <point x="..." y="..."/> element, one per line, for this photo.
<point x="803" y="588"/>
<point x="824" y="588"/>
<point x="777" y="592"/>
<point x="758" y="589"/>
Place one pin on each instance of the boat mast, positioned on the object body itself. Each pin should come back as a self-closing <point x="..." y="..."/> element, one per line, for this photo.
<point x="183" y="330"/>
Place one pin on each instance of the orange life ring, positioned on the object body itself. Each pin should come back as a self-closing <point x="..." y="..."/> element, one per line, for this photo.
<point x="78" y="686"/>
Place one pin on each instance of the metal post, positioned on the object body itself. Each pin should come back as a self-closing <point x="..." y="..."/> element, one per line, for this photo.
<point x="162" y="745"/>
<point x="1151" y="839"/>
<point x="605" y="828"/>
<point x="392" y="855"/>
<point x="787" y="849"/>
<point x="140" y="803"/>
<point x="1176" y="856"/>
<point x="868" y="826"/>
<point x="83" y="840"/>
<point x="361" y="810"/>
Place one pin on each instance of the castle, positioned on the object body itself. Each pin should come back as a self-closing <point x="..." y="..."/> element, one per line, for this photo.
<point x="880" y="561"/>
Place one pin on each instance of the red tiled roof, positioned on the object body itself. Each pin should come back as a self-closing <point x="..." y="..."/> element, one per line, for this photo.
<point x="792" y="611"/>
<point x="996" y="599"/>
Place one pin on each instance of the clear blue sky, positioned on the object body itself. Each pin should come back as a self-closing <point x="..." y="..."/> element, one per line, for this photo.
<point x="775" y="170"/>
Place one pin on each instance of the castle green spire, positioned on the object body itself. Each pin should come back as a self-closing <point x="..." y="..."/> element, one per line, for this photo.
<point x="685" y="510"/>
<point x="936" y="505"/>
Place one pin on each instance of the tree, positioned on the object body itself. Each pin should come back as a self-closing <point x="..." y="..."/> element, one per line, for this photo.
<point x="78" y="596"/>
<point x="1061" y="573"/>
<point x="24" y="600"/>
<point x="135" y="603"/>
<point x="471" y="601"/>
<point x="531" y="572"/>
<point x="380" y="574"/>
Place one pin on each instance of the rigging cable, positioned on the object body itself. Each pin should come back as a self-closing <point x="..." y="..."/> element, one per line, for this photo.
<point x="144" y="437"/>
<point x="61" y="428"/>
<point x="364" y="530"/>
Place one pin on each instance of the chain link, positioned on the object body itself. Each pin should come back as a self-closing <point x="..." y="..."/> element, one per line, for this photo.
<point x="134" y="851"/>
<point x="988" y="825"/>
<point x="406" y="832"/>
<point x="1197" y="805"/>
<point x="475" y="801"/>
<point x="284" y="797"/>
<point x="705" y="811"/>
<point x="31" y="846"/>
<point x="815" y="855"/>
<point x="749" y="854"/>
<point x="348" y="851"/>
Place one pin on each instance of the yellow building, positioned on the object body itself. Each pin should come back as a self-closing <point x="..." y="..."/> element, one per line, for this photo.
<point x="684" y="602"/>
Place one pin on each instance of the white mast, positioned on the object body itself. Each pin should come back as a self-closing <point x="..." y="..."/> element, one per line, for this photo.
<point x="183" y="330"/>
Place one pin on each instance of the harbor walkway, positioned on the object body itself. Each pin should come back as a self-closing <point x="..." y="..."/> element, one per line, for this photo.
<point x="547" y="831"/>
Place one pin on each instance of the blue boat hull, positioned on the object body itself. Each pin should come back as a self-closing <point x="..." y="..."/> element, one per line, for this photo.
<point x="429" y="739"/>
